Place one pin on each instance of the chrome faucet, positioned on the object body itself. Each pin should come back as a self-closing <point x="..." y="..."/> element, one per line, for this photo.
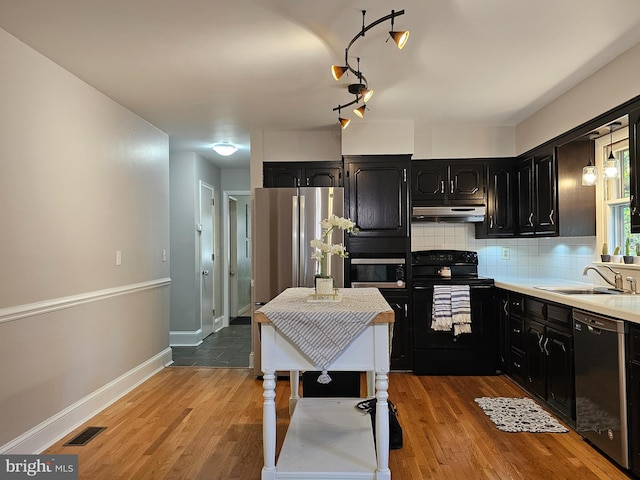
<point x="617" y="283"/>
<point x="632" y="285"/>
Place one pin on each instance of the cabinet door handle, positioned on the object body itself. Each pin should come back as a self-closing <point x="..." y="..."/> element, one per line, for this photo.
<point x="540" y="338"/>
<point x="531" y="220"/>
<point x="406" y="310"/>
<point x="517" y="330"/>
<point x="490" y="221"/>
<point x="545" y="346"/>
<point x="451" y="186"/>
<point x="504" y="307"/>
<point x="517" y="365"/>
<point x="441" y="186"/>
<point x="308" y="182"/>
<point x="551" y="218"/>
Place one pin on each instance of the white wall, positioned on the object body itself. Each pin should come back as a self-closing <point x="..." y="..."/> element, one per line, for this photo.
<point x="292" y="146"/>
<point x="80" y="178"/>
<point x="612" y="85"/>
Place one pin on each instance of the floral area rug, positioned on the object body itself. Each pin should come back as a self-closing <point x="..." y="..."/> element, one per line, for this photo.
<point x="519" y="415"/>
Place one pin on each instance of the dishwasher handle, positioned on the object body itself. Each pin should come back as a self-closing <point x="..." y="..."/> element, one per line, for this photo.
<point x="596" y="323"/>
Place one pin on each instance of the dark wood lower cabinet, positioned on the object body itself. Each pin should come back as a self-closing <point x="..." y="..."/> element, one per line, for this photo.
<point x="401" y="341"/>
<point x="541" y="352"/>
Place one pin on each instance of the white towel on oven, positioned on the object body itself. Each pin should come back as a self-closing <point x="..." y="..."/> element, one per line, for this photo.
<point x="451" y="309"/>
<point x="460" y="309"/>
<point x="441" y="317"/>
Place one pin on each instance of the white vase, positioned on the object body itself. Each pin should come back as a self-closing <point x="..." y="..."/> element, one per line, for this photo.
<point x="324" y="286"/>
<point x="616" y="258"/>
<point x="636" y="260"/>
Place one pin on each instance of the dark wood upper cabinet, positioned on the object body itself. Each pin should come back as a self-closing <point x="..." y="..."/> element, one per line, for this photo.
<point x="576" y="202"/>
<point x="537" y="209"/>
<point x="500" y="218"/>
<point x="377" y="195"/>
<point x="447" y="182"/>
<point x="302" y="174"/>
<point x="634" y="168"/>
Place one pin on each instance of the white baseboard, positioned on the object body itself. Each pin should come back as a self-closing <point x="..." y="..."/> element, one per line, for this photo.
<point x="40" y="437"/>
<point x="186" y="338"/>
<point x="245" y="311"/>
<point x="220" y="322"/>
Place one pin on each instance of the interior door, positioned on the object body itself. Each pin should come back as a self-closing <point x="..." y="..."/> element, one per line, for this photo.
<point x="206" y="228"/>
<point x="233" y="257"/>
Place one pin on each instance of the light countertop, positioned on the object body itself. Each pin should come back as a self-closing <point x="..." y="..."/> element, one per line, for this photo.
<point x="624" y="307"/>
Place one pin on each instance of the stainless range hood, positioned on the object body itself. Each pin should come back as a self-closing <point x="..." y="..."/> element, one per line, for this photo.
<point x="451" y="214"/>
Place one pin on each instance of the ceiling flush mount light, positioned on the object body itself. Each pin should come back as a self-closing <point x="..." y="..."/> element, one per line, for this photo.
<point x="611" y="165"/>
<point x="361" y="89"/>
<point x="224" y="149"/>
<point x="590" y="171"/>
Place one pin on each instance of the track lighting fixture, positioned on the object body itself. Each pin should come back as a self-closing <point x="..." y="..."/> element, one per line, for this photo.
<point x="361" y="89"/>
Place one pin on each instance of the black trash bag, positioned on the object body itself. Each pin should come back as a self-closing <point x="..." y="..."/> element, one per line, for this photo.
<point x="395" y="430"/>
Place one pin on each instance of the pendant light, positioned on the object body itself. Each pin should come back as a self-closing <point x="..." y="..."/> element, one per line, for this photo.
<point x="590" y="171"/>
<point x="611" y="165"/>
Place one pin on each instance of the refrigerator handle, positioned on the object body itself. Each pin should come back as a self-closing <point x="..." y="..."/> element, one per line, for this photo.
<point x="301" y="263"/>
<point x="295" y="241"/>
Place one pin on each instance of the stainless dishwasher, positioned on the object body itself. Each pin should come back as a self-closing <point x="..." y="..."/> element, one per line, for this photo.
<point x="601" y="409"/>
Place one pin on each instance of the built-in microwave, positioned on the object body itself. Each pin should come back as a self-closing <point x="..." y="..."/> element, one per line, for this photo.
<point x="377" y="272"/>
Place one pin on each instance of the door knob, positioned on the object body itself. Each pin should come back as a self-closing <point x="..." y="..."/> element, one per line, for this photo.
<point x="205" y="272"/>
<point x="232" y="273"/>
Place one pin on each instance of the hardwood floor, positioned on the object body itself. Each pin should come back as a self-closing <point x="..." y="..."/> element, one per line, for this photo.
<point x="197" y="423"/>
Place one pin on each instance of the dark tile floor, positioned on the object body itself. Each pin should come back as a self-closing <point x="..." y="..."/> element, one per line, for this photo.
<point x="229" y="347"/>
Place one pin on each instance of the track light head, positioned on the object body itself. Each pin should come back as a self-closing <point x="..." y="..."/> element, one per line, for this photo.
<point x="344" y="122"/>
<point x="337" y="71"/>
<point x="400" y="38"/>
<point x="360" y="111"/>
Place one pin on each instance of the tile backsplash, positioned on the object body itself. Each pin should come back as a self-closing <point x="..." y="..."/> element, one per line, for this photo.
<point x="558" y="257"/>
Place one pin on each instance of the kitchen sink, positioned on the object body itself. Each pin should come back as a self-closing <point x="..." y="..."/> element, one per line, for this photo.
<point x="582" y="290"/>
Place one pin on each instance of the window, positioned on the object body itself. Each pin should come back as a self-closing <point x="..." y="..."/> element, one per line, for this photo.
<point x="615" y="218"/>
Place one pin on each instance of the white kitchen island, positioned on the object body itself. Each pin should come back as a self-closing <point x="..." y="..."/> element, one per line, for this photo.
<point x="327" y="437"/>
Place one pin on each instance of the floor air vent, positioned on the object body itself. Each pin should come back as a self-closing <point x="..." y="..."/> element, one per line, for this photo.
<point x="84" y="437"/>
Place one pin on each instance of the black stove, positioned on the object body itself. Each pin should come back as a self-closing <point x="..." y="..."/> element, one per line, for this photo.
<point x="438" y="352"/>
<point x="449" y="266"/>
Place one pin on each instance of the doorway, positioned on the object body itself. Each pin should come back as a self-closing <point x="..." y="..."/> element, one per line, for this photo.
<point x="237" y="288"/>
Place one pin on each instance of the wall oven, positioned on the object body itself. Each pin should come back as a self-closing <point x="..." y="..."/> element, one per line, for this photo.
<point x="377" y="272"/>
<point x="438" y="352"/>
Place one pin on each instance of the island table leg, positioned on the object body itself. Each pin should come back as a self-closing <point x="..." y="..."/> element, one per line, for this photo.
<point x="382" y="427"/>
<point x="269" y="426"/>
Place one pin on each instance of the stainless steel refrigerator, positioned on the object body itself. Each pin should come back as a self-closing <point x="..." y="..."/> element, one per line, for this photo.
<point x="285" y="220"/>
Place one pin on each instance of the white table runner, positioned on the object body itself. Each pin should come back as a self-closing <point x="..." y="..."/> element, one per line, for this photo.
<point x="323" y="330"/>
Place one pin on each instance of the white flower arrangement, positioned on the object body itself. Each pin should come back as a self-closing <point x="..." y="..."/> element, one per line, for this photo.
<point x="323" y="246"/>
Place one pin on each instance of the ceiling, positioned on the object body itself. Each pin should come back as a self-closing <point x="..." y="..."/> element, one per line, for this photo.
<point x="208" y="71"/>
